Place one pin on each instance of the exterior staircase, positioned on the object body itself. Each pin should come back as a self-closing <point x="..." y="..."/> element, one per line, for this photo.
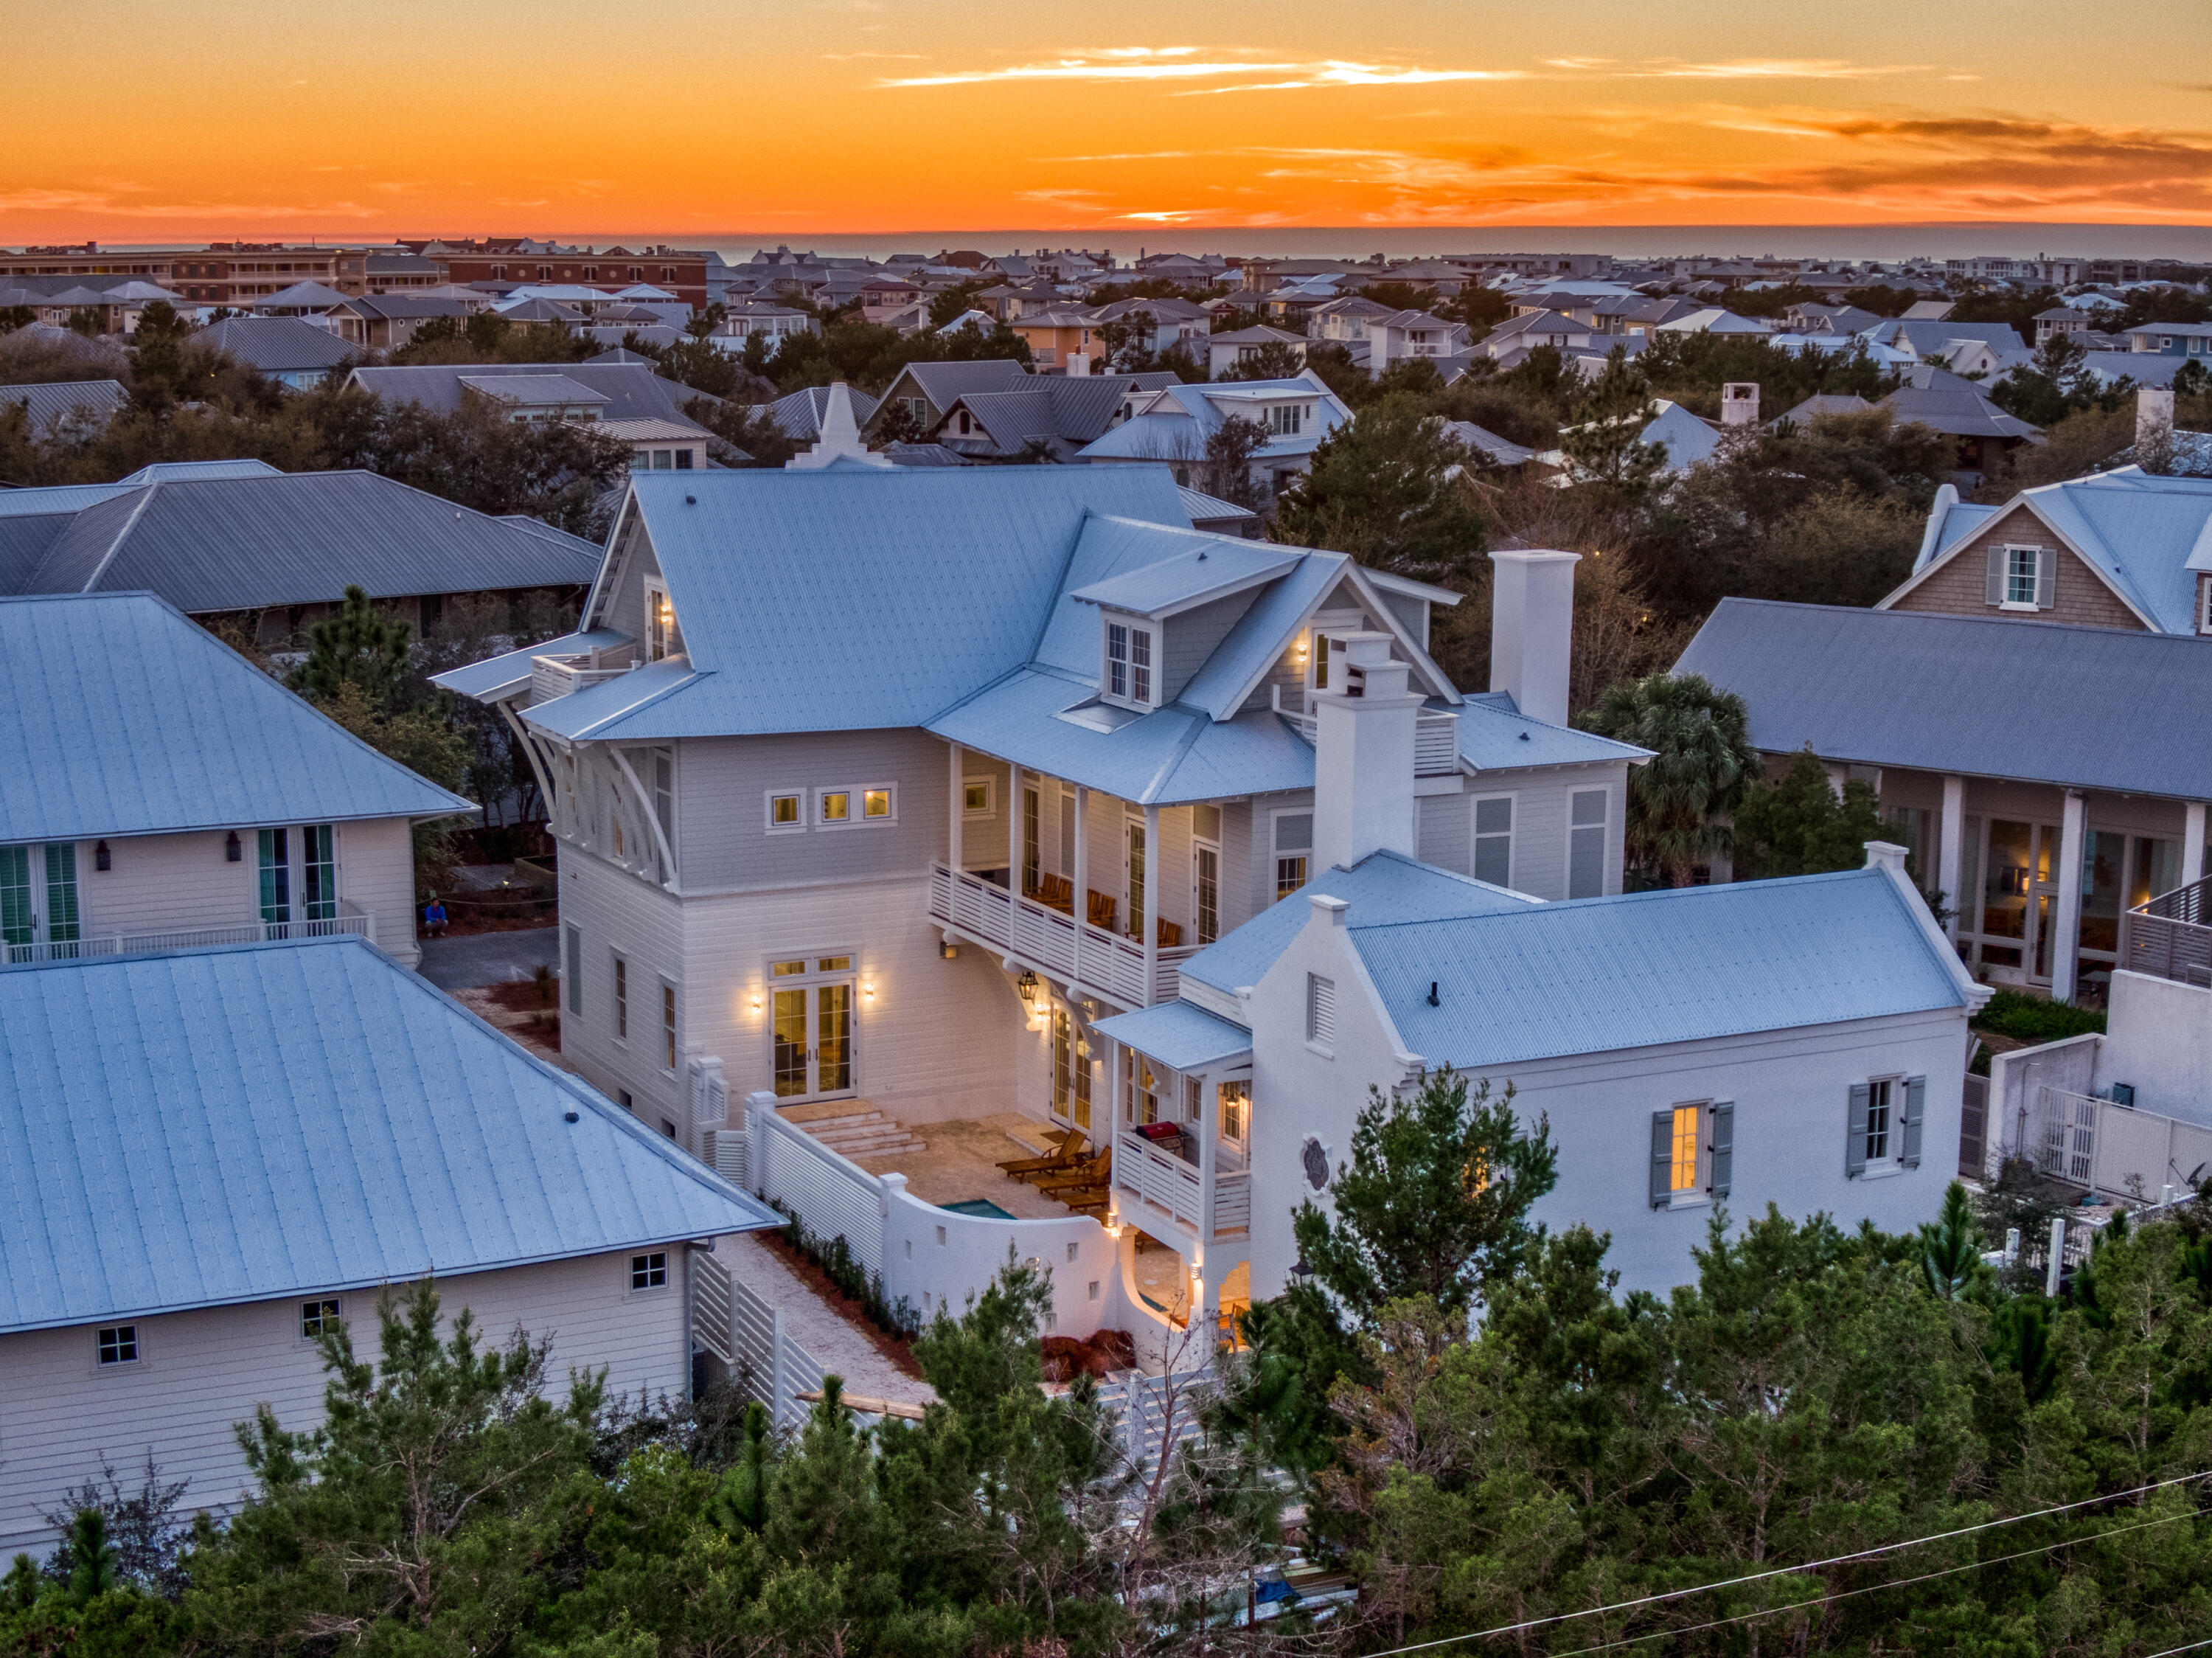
<point x="863" y="1132"/>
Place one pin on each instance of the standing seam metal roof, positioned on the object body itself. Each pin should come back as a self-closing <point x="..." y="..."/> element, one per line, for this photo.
<point x="233" y="1125"/>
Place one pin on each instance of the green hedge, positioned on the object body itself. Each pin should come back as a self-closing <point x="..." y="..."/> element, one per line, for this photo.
<point x="2036" y="1019"/>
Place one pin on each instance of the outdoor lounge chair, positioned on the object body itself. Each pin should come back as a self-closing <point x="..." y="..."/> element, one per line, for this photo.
<point x="1071" y="1143"/>
<point x="1103" y="906"/>
<point x="1091" y="1171"/>
<point x="1056" y="892"/>
<point x="1085" y="1200"/>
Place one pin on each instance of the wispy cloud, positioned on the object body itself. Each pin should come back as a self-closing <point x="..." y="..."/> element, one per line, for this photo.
<point x="1776" y="68"/>
<point x="1183" y="64"/>
<point x="34" y="199"/>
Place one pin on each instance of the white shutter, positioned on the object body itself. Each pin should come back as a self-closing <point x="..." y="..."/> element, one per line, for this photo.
<point x="1320" y="1009"/>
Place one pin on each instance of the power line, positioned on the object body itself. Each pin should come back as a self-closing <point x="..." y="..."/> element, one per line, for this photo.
<point x="1876" y="1588"/>
<point x="2191" y="1647"/>
<point x="1792" y="1571"/>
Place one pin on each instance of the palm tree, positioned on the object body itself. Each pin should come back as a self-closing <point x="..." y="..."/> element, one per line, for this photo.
<point x="1702" y="762"/>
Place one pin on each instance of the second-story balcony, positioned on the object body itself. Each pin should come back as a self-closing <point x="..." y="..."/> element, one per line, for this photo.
<point x="559" y="676"/>
<point x="2170" y="936"/>
<point x="1436" y="733"/>
<point x="1052" y="940"/>
<point x="1161" y="1180"/>
<point x="350" y="918"/>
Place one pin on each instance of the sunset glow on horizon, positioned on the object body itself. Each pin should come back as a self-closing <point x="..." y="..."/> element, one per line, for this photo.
<point x="221" y="119"/>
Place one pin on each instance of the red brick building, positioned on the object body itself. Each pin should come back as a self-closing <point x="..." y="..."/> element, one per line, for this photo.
<point x="680" y="271"/>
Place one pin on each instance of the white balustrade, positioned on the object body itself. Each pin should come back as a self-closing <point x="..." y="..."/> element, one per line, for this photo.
<point x="348" y="920"/>
<point x="1112" y="964"/>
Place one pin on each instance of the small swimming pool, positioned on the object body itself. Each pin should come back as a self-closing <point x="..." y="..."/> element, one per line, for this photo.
<point x="982" y="1208"/>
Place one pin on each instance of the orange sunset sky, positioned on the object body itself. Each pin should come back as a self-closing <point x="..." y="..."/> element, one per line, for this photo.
<point x="133" y="122"/>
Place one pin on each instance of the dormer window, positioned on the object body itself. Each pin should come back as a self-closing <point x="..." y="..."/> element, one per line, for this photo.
<point x="1128" y="664"/>
<point x="660" y="625"/>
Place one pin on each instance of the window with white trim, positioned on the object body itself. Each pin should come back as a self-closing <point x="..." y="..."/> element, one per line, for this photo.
<point x="1293" y="850"/>
<point x="787" y="811"/>
<point x="667" y="1024"/>
<point x="1128" y="666"/>
<point x="1586" y="843"/>
<point x="1876" y="1140"/>
<point x="622" y="999"/>
<point x="2023" y="568"/>
<point x="879" y="804"/>
<point x="979" y="797"/>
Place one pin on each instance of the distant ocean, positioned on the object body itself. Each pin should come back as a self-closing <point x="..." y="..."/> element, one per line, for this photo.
<point x="2192" y="243"/>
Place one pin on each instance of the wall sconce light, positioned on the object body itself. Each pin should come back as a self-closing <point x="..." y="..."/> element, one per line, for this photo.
<point x="949" y="951"/>
<point x="1082" y="1048"/>
<point x="232" y="851"/>
<point x="100" y="858"/>
<point x="755" y="1001"/>
<point x="1026" y="988"/>
<point x="868" y="991"/>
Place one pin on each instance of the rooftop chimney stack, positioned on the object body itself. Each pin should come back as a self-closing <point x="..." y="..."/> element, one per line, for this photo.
<point x="2154" y="421"/>
<point x="1532" y="620"/>
<point x="1079" y="365"/>
<point x="1363" y="754"/>
<point x="1739" y="403"/>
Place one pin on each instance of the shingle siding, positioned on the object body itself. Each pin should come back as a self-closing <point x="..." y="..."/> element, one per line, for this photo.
<point x="1959" y="586"/>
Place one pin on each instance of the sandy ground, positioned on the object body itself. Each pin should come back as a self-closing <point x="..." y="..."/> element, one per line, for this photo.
<point x="817" y="1327"/>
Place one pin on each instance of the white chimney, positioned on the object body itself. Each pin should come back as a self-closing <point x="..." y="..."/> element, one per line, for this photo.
<point x="1739" y="403"/>
<point x="1079" y="364"/>
<point x="1532" y="620"/>
<point x="1363" y="754"/>
<point x="841" y="435"/>
<point x="2153" y="416"/>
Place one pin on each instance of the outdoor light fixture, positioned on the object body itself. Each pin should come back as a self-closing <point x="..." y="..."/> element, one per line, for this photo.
<point x="232" y="851"/>
<point x="949" y="951"/>
<point x="1026" y="987"/>
<point x="868" y="990"/>
<point x="756" y="1001"/>
<point x="101" y="859"/>
<point x="1300" y="1270"/>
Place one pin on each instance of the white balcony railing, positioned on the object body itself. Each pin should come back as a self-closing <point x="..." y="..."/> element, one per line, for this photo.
<point x="2170" y="936"/>
<point x="1167" y="1181"/>
<point x="349" y="919"/>
<point x="558" y="676"/>
<point x="1436" y="733"/>
<point x="1052" y="941"/>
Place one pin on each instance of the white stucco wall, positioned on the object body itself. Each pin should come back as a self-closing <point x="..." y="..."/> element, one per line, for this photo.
<point x="2158" y="1037"/>
<point x="1790" y="1090"/>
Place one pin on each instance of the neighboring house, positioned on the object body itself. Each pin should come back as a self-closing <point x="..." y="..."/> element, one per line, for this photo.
<point x="295" y="353"/>
<point x="302" y="299"/>
<point x="885" y="297"/>
<point x="1487" y="446"/>
<point x="2171" y="338"/>
<point x="1402" y="336"/>
<point x="927" y="390"/>
<point x="1218" y="517"/>
<point x="1923" y="341"/>
<point x="1981" y="431"/>
<point x="660" y="445"/>
<point x="584" y="392"/>
<point x="1174" y="423"/>
<point x="1813" y="408"/>
<point x="1239" y="345"/>
<point x="384" y="322"/>
<point x="164" y="793"/>
<point x="1047" y="417"/>
<point x="798" y="416"/>
<point x="2047" y="778"/>
<point x="77" y="406"/>
<point x="1687" y="438"/>
<point x="1158" y="325"/>
<point x="877" y="788"/>
<point x="1713" y="320"/>
<point x="777" y="322"/>
<point x="216" y="1154"/>
<point x="2062" y="322"/>
<point x="1344" y="322"/>
<point x="1842" y="321"/>
<point x="1524" y="333"/>
<point x="1059" y="338"/>
<point x="278" y="549"/>
<point x="1803" y="1046"/>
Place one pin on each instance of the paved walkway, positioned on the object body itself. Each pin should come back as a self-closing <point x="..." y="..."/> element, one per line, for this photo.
<point x="817" y="1327"/>
<point x="455" y="964"/>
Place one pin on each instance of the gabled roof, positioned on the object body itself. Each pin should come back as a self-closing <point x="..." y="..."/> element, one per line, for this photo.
<point x="274" y="345"/>
<point x="1181" y="1036"/>
<point x="1384" y="887"/>
<point x="1983" y="696"/>
<point x="138" y="722"/>
<point x="1186" y="579"/>
<point x="82" y="399"/>
<point x="1959" y="411"/>
<point x="210" y="545"/>
<point x="2148" y="536"/>
<point x="1212" y="509"/>
<point x="540" y="388"/>
<point x="300" y="296"/>
<point x="632" y="393"/>
<point x="798" y="415"/>
<point x="1055" y="410"/>
<point x="942" y="382"/>
<point x="229" y="1125"/>
<point x="1686" y="964"/>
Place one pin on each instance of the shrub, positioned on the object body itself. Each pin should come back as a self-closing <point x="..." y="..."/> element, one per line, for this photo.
<point x="2036" y="1019"/>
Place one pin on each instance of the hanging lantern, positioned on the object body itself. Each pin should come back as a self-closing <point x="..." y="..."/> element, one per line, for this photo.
<point x="1026" y="987"/>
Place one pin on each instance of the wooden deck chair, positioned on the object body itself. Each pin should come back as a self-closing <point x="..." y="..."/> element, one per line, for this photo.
<point x="1170" y="934"/>
<point x="1071" y="1143"/>
<point x="1103" y="908"/>
<point x="1091" y="1171"/>
<point x="1088" y="1200"/>
<point x="1058" y="892"/>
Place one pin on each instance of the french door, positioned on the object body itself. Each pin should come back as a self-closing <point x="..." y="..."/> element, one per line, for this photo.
<point x="811" y="1028"/>
<point x="2019" y="897"/>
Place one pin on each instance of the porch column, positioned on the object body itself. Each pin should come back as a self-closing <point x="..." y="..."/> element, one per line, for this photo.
<point x="1016" y="840"/>
<point x="958" y="798"/>
<point x="1951" y="852"/>
<point x="1151" y="901"/>
<point x="2066" y="948"/>
<point x="1082" y="878"/>
<point x="2192" y="843"/>
<point x="1209" y="1127"/>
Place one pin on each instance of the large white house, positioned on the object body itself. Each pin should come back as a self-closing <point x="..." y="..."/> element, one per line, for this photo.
<point x="876" y="789"/>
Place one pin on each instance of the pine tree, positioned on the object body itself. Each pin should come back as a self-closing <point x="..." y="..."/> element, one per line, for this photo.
<point x="359" y="646"/>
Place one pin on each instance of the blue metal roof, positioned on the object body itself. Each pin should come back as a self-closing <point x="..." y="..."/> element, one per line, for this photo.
<point x="237" y="1124"/>
<point x="1984" y="697"/>
<point x="851" y="600"/>
<point x="137" y="721"/>
<point x="1383" y="886"/>
<point x="1180" y="1036"/>
<point x="1496" y="736"/>
<point x="184" y="471"/>
<point x="1600" y="974"/>
<point x="1210" y="567"/>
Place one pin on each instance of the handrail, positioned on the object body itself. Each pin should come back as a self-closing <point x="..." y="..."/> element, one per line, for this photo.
<point x="356" y="921"/>
<point x="2170" y="937"/>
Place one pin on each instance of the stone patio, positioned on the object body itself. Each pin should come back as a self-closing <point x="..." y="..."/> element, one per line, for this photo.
<point x="959" y="1161"/>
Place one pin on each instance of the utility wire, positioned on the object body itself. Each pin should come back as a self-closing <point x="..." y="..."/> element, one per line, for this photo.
<point x="1809" y="1565"/>
<point x="1876" y="1588"/>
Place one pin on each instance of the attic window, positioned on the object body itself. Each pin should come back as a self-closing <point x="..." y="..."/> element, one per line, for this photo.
<point x="1128" y="664"/>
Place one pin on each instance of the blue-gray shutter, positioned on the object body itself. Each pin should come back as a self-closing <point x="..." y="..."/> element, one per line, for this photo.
<point x="2046" y="578"/>
<point x="1996" y="585"/>
<point x="1856" y="1128"/>
<point x="1662" y="1159"/>
<point x="1916" y="1102"/>
<point x="1723" y="1154"/>
<point x="573" y="967"/>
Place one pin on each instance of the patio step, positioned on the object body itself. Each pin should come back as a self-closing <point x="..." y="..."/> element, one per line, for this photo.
<point x="864" y="1134"/>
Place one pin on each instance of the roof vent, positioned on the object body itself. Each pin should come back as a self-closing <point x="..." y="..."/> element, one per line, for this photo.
<point x="1524" y="737"/>
<point x="568" y="1116"/>
<point x="690" y="500"/>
